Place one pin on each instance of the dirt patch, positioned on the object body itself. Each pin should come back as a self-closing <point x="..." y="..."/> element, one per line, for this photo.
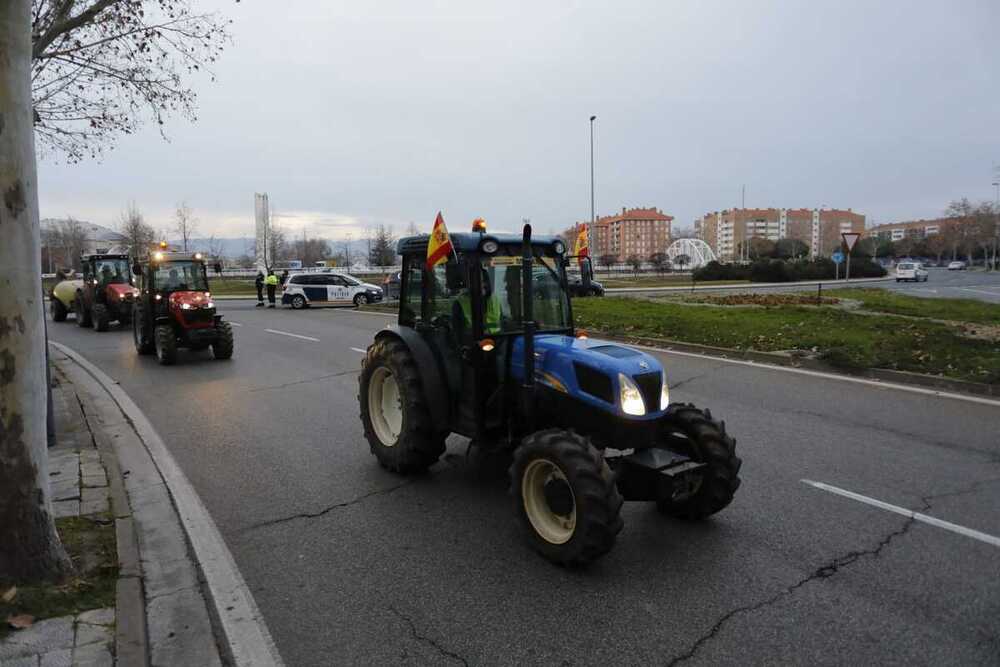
<point x="764" y="300"/>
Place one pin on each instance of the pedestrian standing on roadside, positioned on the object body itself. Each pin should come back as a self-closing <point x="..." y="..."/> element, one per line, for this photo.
<point x="259" y="284"/>
<point x="272" y="284"/>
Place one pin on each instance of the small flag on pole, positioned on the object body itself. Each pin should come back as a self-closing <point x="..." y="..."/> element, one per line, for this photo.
<point x="439" y="245"/>
<point x="582" y="245"/>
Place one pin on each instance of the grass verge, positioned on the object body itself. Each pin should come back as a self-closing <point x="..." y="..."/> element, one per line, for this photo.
<point x="959" y="310"/>
<point x="841" y="338"/>
<point x="92" y="547"/>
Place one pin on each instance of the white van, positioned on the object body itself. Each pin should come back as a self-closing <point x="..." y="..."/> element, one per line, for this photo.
<point x="911" y="271"/>
<point x="327" y="289"/>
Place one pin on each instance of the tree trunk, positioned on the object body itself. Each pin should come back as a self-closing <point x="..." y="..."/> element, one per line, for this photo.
<point x="29" y="546"/>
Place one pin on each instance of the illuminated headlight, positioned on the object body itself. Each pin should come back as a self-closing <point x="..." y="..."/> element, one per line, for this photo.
<point x="490" y="247"/>
<point x="631" y="399"/>
<point x="185" y="306"/>
<point x="158" y="256"/>
<point x="210" y="304"/>
<point x="197" y="255"/>
<point x="664" y="393"/>
<point x="559" y="247"/>
<point x="159" y="296"/>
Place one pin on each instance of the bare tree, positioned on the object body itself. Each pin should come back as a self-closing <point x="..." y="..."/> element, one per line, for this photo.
<point x="29" y="545"/>
<point x="215" y="247"/>
<point x="139" y="237"/>
<point x="659" y="261"/>
<point x="635" y="262"/>
<point x="185" y="224"/>
<point x="411" y="229"/>
<point x="65" y="240"/>
<point x="101" y="67"/>
<point x="382" y="251"/>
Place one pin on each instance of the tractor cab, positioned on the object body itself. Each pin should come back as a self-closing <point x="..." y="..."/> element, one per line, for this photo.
<point x="486" y="347"/>
<point x="106" y="292"/>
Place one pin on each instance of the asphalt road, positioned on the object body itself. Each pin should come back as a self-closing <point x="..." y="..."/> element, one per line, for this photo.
<point x="941" y="283"/>
<point x="353" y="565"/>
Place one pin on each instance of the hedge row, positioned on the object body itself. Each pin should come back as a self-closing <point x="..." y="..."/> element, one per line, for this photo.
<point x="781" y="271"/>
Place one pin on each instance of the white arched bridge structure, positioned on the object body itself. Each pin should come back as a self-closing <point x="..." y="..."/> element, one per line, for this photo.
<point x="697" y="252"/>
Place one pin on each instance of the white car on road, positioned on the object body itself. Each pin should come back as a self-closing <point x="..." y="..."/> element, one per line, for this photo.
<point x="327" y="289"/>
<point x="911" y="271"/>
<point x="956" y="266"/>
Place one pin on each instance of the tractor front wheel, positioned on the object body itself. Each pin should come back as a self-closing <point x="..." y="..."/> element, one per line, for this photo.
<point x="708" y="443"/>
<point x="58" y="308"/>
<point x="101" y="317"/>
<point x="166" y="345"/>
<point x="565" y="497"/>
<point x="143" y="345"/>
<point x="82" y="314"/>
<point x="222" y="348"/>
<point x="394" y="412"/>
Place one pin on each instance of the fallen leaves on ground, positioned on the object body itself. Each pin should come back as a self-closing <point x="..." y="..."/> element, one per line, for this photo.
<point x="9" y="595"/>
<point x="21" y="621"/>
<point x="767" y="300"/>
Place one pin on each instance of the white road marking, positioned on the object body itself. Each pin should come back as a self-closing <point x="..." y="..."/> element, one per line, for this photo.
<point x="358" y="349"/>
<point x="924" y="289"/>
<point x="243" y="625"/>
<point x="916" y="516"/>
<point x="828" y="376"/>
<point x="285" y="333"/>
<point x="979" y="291"/>
<point x="236" y="324"/>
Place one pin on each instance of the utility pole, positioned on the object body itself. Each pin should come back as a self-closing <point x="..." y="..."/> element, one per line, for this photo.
<point x="592" y="218"/>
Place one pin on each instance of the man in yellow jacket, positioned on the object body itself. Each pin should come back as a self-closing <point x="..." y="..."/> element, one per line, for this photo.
<point x="271" y="282"/>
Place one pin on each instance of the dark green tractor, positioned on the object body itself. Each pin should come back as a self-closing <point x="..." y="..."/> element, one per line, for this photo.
<point x="485" y="347"/>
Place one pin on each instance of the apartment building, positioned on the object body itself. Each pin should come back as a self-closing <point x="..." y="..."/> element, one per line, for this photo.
<point x="727" y="231"/>
<point x="915" y="229"/>
<point x="634" y="231"/>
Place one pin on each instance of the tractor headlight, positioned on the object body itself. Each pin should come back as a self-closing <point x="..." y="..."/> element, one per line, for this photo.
<point x="185" y="306"/>
<point x="490" y="247"/>
<point x="664" y="393"/>
<point x="559" y="247"/>
<point x="210" y="304"/>
<point x="630" y="397"/>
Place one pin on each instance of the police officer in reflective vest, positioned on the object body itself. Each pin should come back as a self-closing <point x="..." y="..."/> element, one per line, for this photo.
<point x="271" y="282"/>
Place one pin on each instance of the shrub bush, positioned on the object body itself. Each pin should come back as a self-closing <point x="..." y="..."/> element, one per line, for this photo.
<point x="780" y="271"/>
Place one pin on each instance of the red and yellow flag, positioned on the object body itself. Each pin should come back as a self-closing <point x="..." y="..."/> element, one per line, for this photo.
<point x="439" y="244"/>
<point x="582" y="246"/>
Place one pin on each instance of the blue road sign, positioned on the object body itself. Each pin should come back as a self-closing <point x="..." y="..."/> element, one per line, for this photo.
<point x="837" y="257"/>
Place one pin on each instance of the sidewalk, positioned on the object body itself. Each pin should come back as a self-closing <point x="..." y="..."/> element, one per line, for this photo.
<point x="100" y="468"/>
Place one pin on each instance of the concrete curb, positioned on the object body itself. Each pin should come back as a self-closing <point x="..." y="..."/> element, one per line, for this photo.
<point x="177" y="542"/>
<point x="787" y="361"/>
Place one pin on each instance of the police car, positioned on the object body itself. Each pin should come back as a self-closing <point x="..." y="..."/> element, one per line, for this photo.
<point x="327" y="289"/>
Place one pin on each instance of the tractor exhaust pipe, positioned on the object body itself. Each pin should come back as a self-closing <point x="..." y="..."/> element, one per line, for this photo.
<point x="528" y="319"/>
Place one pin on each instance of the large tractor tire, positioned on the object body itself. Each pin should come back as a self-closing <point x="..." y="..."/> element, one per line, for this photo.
<point x="143" y="343"/>
<point x="101" y="317"/>
<point x="222" y="348"/>
<point x="707" y="442"/>
<point x="82" y="314"/>
<point x="565" y="497"/>
<point x="394" y="412"/>
<point x="166" y="345"/>
<point x="58" y="309"/>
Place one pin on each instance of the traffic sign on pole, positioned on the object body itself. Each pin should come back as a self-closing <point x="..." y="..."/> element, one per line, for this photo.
<point x="850" y="238"/>
<point x="837" y="257"/>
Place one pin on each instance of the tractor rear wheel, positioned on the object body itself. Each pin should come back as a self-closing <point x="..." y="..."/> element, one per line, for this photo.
<point x="143" y="345"/>
<point x="707" y="442"/>
<point x="166" y="344"/>
<point x="82" y="314"/>
<point x="222" y="348"/>
<point x="100" y="317"/>
<point x="565" y="497"/>
<point x="58" y="309"/>
<point x="394" y="412"/>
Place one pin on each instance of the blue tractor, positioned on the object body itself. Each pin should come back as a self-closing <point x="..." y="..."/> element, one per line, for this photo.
<point x="485" y="347"/>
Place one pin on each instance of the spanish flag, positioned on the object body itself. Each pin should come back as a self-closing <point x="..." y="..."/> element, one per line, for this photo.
<point x="439" y="244"/>
<point x="582" y="246"/>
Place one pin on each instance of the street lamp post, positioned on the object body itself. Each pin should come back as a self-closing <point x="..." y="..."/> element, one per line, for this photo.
<point x="996" y="229"/>
<point x="592" y="219"/>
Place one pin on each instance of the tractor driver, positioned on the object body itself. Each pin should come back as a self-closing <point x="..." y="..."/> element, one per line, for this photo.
<point x="491" y="316"/>
<point x="106" y="276"/>
<point x="173" y="280"/>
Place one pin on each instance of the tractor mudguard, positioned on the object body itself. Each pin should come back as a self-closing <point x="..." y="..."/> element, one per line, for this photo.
<point x="162" y="319"/>
<point x="430" y="371"/>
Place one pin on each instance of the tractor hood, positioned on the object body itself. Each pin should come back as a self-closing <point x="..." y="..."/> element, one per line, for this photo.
<point x="589" y="369"/>
<point x="122" y="291"/>
<point x="191" y="299"/>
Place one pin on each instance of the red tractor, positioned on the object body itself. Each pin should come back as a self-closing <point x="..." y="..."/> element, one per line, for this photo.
<point x="175" y="308"/>
<point x="106" y="294"/>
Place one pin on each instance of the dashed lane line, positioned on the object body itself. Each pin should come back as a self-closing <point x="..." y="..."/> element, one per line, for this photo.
<point x="916" y="516"/>
<point x="285" y="333"/>
<point x="358" y="349"/>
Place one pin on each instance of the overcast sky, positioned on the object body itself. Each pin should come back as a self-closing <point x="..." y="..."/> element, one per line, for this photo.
<point x="350" y="114"/>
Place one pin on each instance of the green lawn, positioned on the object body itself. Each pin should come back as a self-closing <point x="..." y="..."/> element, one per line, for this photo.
<point x="840" y="337"/>
<point x="665" y="280"/>
<point x="886" y="301"/>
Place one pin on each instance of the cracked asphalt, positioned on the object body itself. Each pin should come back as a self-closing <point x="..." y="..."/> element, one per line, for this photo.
<point x="353" y="565"/>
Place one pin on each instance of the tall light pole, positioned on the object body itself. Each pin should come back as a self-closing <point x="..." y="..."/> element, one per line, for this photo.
<point x="996" y="229"/>
<point x="592" y="219"/>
